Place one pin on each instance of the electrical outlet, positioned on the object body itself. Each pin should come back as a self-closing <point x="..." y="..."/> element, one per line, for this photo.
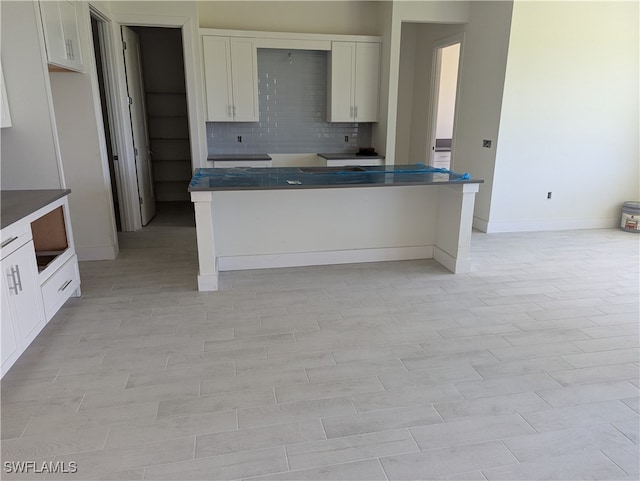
<point x="240" y="138"/>
<point x="548" y="195"/>
<point x="486" y="143"/>
<point x="346" y="138"/>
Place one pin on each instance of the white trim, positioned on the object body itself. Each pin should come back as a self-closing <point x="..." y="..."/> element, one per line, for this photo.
<point x="480" y="224"/>
<point x="97" y="253"/>
<point x="552" y="224"/>
<point x="5" y="115"/>
<point x="292" y="37"/>
<point x="47" y="86"/>
<point x="131" y="220"/>
<point x="297" y="259"/>
<point x="207" y="282"/>
<point x="457" y="266"/>
<point x="92" y="70"/>
<point x="323" y="45"/>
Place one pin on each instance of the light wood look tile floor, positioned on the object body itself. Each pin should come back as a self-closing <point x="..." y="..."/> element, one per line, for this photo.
<point x="524" y="369"/>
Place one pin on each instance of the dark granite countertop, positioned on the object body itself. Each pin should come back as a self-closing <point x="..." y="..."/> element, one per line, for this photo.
<point x="275" y="178"/>
<point x="349" y="156"/>
<point x="18" y="204"/>
<point x="223" y="157"/>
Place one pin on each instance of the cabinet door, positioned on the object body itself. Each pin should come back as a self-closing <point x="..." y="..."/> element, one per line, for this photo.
<point x="244" y="75"/>
<point x="367" y="82"/>
<point x="61" y="33"/>
<point x="217" y="78"/>
<point x="20" y="273"/>
<point x="341" y="74"/>
<point x="9" y="343"/>
<point x="53" y="32"/>
<point x="70" y="30"/>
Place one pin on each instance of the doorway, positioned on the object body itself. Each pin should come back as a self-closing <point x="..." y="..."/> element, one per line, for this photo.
<point x="98" y="32"/>
<point x="158" y="174"/>
<point x="162" y="62"/>
<point x="446" y="72"/>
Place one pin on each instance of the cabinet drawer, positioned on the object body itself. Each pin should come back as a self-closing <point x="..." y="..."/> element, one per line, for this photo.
<point x="225" y="164"/>
<point x="59" y="287"/>
<point x="14" y="236"/>
<point x="442" y="157"/>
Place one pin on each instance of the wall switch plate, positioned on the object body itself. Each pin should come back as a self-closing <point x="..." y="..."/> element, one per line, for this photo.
<point x="486" y="143"/>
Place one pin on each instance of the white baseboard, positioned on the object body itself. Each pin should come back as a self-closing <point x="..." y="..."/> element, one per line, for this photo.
<point x="298" y="259"/>
<point x="102" y="253"/>
<point x="549" y="225"/>
<point x="457" y="266"/>
<point x="208" y="282"/>
<point x="480" y="224"/>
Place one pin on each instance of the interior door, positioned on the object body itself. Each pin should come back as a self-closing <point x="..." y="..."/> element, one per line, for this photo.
<point x="138" y="115"/>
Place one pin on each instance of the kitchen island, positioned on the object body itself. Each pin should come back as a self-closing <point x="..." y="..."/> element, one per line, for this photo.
<point x="298" y="216"/>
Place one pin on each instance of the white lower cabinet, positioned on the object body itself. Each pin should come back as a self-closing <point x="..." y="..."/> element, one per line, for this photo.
<point x="442" y="160"/>
<point x="225" y="164"/>
<point x="9" y="342"/>
<point x="57" y="289"/>
<point x="361" y="161"/>
<point x="22" y="303"/>
<point x="39" y="272"/>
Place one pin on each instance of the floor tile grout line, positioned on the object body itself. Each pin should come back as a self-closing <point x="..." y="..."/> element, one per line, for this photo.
<point x="616" y="464"/>
<point x="621" y="432"/>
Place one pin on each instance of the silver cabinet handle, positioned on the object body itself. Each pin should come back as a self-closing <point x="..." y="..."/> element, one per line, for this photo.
<point x="356" y="112"/>
<point x="17" y="283"/>
<point x="8" y="241"/>
<point x="65" y="285"/>
<point x="13" y="287"/>
<point x="229" y="111"/>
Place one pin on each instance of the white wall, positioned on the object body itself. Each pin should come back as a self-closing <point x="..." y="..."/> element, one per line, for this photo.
<point x="569" y="120"/>
<point x="414" y="12"/>
<point x="84" y="155"/>
<point x="407" y="92"/>
<point x="414" y="102"/>
<point x="28" y="148"/>
<point x="484" y="58"/>
<point x="345" y="17"/>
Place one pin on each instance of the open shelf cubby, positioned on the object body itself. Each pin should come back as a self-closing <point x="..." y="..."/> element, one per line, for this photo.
<point x="49" y="237"/>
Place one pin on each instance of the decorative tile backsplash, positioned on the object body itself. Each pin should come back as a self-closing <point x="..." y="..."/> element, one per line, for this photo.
<point x="292" y="92"/>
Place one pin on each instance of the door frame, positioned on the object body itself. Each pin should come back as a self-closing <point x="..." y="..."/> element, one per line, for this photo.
<point x="435" y="90"/>
<point x="123" y="136"/>
<point x="106" y="53"/>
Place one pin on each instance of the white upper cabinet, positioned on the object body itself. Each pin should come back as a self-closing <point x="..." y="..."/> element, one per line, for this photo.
<point x="354" y="82"/>
<point x="231" y="79"/>
<point x="61" y="34"/>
